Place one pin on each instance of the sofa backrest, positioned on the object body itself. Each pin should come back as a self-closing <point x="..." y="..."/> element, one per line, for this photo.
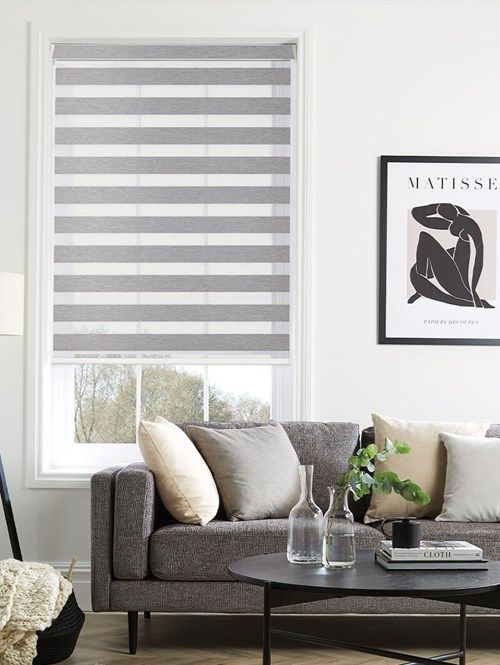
<point x="326" y="445"/>
<point x="368" y="434"/>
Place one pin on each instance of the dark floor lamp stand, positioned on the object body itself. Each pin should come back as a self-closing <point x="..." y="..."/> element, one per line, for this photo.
<point x="9" y="515"/>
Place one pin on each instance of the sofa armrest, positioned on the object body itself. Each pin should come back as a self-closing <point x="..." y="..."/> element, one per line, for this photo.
<point x="134" y="522"/>
<point x="102" y="496"/>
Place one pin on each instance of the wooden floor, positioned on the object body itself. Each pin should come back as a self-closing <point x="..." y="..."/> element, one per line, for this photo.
<point x="235" y="640"/>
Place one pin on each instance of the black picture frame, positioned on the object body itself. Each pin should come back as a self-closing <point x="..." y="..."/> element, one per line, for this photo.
<point x="383" y="338"/>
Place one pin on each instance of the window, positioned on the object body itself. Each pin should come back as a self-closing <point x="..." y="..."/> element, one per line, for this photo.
<point x="109" y="399"/>
<point x="170" y="243"/>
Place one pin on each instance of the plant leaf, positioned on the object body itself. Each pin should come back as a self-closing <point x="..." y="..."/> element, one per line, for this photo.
<point x="354" y="461"/>
<point x="342" y="481"/>
<point x="371" y="451"/>
<point x="389" y="446"/>
<point x="412" y="492"/>
<point x="360" y="482"/>
<point x="390" y="476"/>
<point x="402" y="448"/>
<point x="366" y="479"/>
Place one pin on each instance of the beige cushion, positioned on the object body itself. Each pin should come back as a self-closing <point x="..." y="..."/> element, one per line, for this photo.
<point x="425" y="464"/>
<point x="256" y="469"/>
<point x="472" y="492"/>
<point x="183" y="479"/>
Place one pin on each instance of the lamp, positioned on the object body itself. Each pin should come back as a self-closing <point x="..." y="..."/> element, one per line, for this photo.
<point x="11" y="303"/>
<point x="11" y="323"/>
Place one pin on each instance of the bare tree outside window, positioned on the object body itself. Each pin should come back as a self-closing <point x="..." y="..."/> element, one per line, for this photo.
<point x="171" y="392"/>
<point x="104" y="407"/>
<point x="105" y="400"/>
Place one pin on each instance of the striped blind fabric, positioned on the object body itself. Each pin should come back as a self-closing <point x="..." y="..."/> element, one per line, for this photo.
<point x="172" y="201"/>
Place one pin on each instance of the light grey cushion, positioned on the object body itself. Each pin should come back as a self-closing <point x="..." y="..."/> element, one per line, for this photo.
<point x="256" y="469"/>
<point x="472" y="491"/>
<point x="189" y="552"/>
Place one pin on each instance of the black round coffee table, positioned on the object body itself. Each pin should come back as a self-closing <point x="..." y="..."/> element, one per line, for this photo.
<point x="290" y="584"/>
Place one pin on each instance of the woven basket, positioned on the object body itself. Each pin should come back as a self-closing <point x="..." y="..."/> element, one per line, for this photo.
<point x="58" y="641"/>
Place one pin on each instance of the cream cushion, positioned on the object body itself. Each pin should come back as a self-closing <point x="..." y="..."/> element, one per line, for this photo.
<point x="425" y="464"/>
<point x="183" y="480"/>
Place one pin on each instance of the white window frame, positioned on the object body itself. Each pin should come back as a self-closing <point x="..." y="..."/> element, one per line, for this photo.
<point x="64" y="455"/>
<point x="41" y="470"/>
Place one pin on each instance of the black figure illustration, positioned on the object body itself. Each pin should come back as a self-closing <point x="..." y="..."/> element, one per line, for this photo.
<point x="449" y="268"/>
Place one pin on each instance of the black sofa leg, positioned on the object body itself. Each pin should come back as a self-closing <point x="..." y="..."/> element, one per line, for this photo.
<point x="147" y="615"/>
<point x="132" y="632"/>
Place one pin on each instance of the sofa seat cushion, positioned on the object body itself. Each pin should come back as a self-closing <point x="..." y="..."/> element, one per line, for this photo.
<point x="188" y="552"/>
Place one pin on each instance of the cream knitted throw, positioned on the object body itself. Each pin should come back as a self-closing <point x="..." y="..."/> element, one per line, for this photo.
<point x="31" y="597"/>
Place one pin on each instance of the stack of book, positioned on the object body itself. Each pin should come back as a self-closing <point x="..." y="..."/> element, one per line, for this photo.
<point x="431" y="555"/>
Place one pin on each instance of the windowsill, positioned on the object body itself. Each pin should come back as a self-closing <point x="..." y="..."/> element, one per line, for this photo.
<point x="60" y="479"/>
<point x="86" y="459"/>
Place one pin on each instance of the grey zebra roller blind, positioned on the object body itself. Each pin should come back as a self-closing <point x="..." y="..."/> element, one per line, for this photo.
<point x="173" y="201"/>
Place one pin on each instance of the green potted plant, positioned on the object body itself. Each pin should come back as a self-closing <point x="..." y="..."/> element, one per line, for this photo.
<point x="360" y="479"/>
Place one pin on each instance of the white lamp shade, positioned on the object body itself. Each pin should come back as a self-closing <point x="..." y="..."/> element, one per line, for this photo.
<point x="11" y="303"/>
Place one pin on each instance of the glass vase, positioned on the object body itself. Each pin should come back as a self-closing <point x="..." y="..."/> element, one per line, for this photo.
<point x="305" y="523"/>
<point x="339" y="548"/>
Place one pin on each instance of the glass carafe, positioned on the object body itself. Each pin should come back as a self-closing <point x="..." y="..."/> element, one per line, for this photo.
<point x="305" y="523"/>
<point x="339" y="549"/>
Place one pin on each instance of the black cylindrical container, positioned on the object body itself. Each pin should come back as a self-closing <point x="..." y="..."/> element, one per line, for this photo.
<point x="405" y="533"/>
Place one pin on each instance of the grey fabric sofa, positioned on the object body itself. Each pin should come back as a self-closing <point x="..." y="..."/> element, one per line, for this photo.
<point x="143" y="560"/>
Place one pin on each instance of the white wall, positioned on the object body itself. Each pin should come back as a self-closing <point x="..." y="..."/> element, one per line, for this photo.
<point x="390" y="77"/>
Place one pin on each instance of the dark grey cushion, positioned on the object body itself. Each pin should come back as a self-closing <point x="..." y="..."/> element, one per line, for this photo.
<point x="494" y="431"/>
<point x="192" y="552"/>
<point x="326" y="445"/>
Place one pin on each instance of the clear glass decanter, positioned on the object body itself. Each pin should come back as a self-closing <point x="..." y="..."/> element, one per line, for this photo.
<point x="339" y="548"/>
<point x="305" y="523"/>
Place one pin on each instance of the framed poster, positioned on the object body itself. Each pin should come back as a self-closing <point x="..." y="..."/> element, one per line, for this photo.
<point x="439" y="250"/>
